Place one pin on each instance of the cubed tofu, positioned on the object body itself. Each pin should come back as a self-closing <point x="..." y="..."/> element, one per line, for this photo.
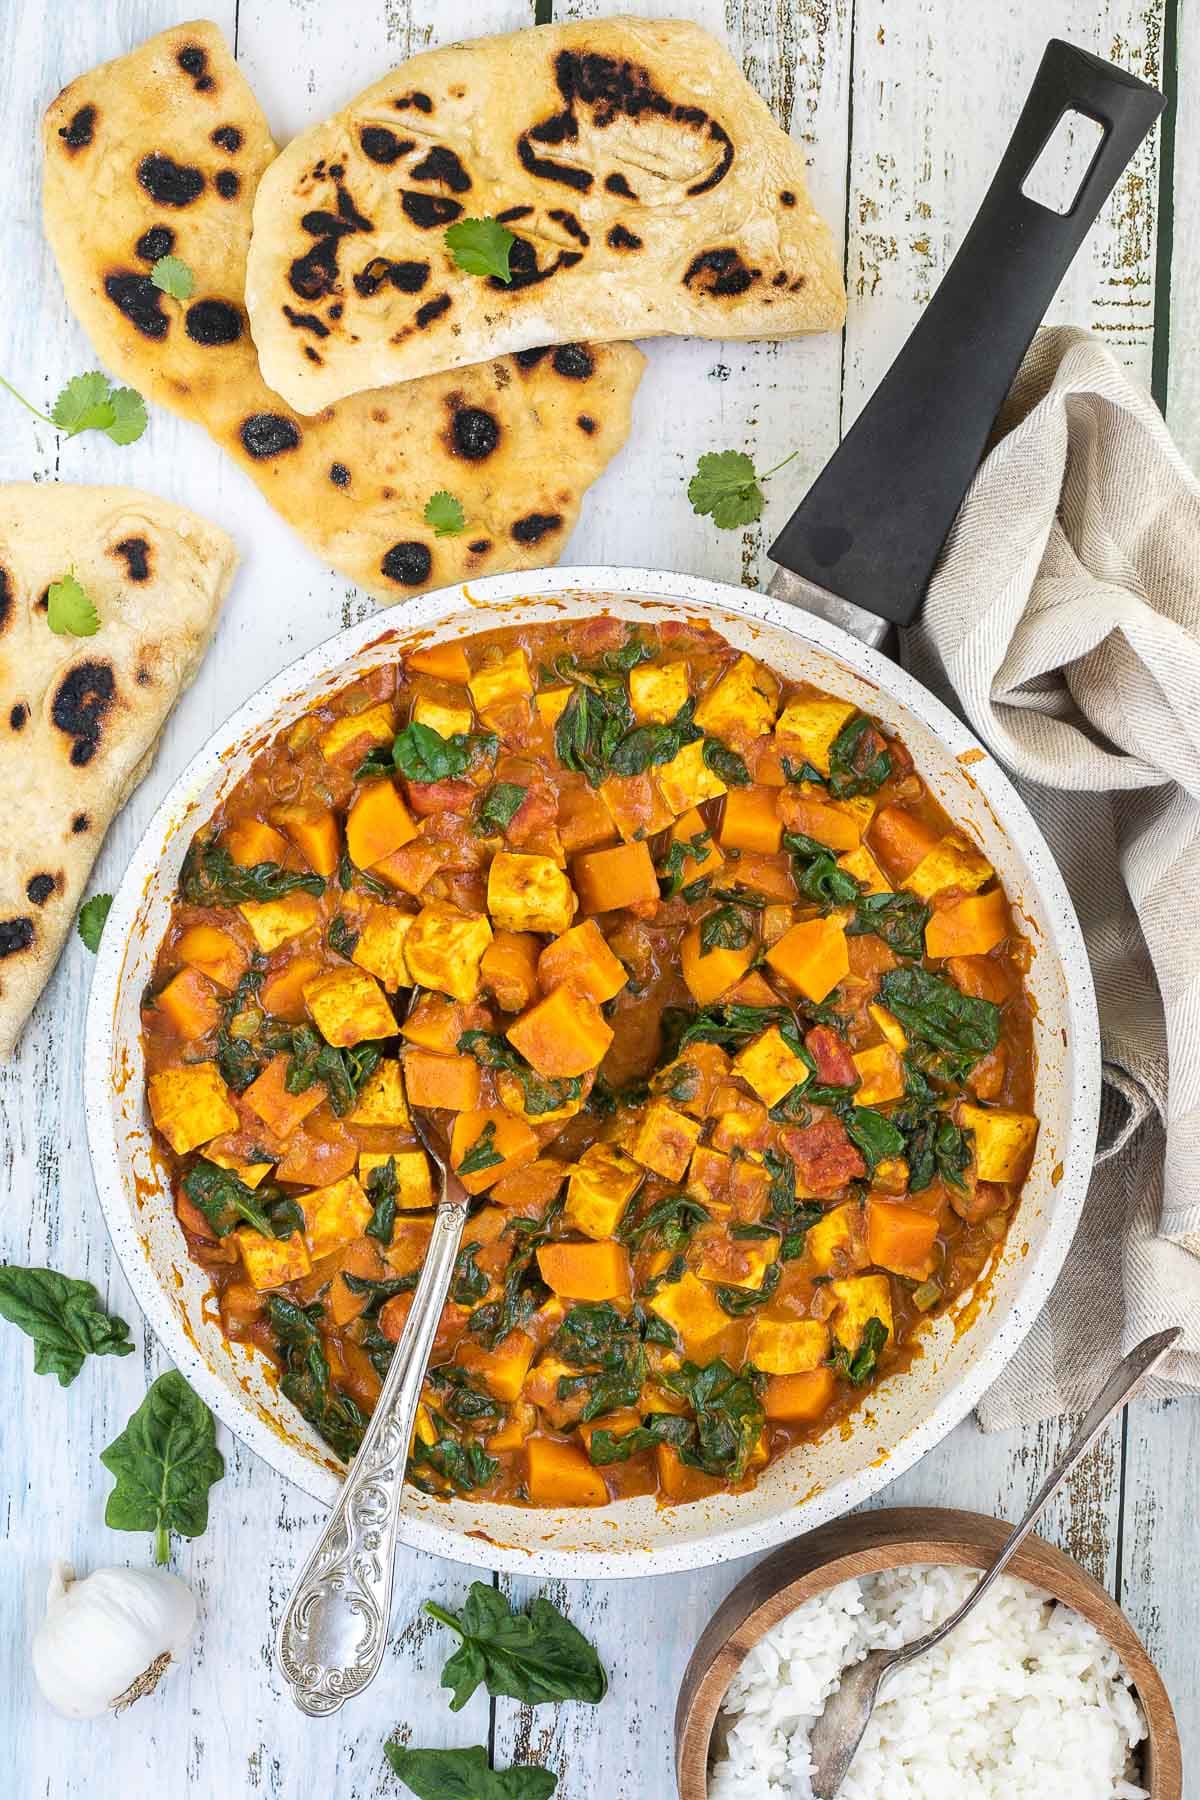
<point x="444" y="948"/>
<point x="860" y="1299"/>
<point x="380" y="946"/>
<point x="665" y="1140"/>
<point x="414" y="1179"/>
<point x="564" y="1034"/>
<point x="268" y="1098"/>
<point x="709" y="1178"/>
<point x="502" y="1370"/>
<point x="550" y="705"/>
<point x="814" y="724"/>
<point x="889" y="1026"/>
<point x="274" y="922"/>
<point x="334" y="1215"/>
<point x="657" y="691"/>
<point x="449" y="1082"/>
<point x="588" y="1271"/>
<point x="813" y="956"/>
<point x="952" y="863"/>
<point x="744" y="1127"/>
<point x="191" y="1105"/>
<point x="891" y="1175"/>
<point x="601" y="1185"/>
<point x="799" y="1399"/>
<point x="504" y="681"/>
<point x="409" y="1246"/>
<point x="711" y="973"/>
<point x="832" y="1241"/>
<point x="253" y="1174"/>
<point x="381" y="1098"/>
<point x="971" y="927"/>
<point x="581" y="959"/>
<point x="689" y="1308"/>
<point x="484" y="1134"/>
<point x="770" y="1067"/>
<point x="270" y="1262"/>
<point x="1003" y="1141"/>
<point x="624" y="876"/>
<point x="741" y="706"/>
<point x="348" y="1007"/>
<point x="880" y="1075"/>
<point x="447" y="717"/>
<point x="212" y="952"/>
<point x="357" y="732"/>
<point x="788" y="1346"/>
<point x="865" y="870"/>
<point x="750" y="821"/>
<point x="693" y="1079"/>
<point x="687" y="781"/>
<point x="737" y="1263"/>
<point x="377" y="824"/>
<point x="529" y="893"/>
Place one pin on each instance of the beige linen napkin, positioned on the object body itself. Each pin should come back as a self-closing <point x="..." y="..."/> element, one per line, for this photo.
<point x="1063" y="623"/>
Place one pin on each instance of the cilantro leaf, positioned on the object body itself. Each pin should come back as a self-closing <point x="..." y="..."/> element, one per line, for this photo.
<point x="172" y="275"/>
<point x="129" y="416"/>
<point x="92" y="915"/>
<point x="90" y="403"/>
<point x="728" y="488"/>
<point x="481" y="247"/>
<point x="69" y="609"/>
<point x="165" y="1461"/>
<point x="445" y="513"/>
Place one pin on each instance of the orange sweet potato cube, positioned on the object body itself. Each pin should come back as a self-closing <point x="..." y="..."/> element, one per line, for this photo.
<point x="901" y="1238"/>
<point x="679" y="1483"/>
<point x="901" y="840"/>
<point x="378" y="823"/>
<point x="812" y="956"/>
<point x="485" y="1134"/>
<point x="592" y="1271"/>
<point x="751" y="820"/>
<point x="971" y="927"/>
<point x="583" y="819"/>
<point x="703" y="856"/>
<point x="412" y="867"/>
<point x="280" y="1111"/>
<point x="349" y="738"/>
<point x="251" y="841"/>
<point x="445" y="662"/>
<point x="509" y="969"/>
<point x="314" y="831"/>
<point x="502" y="1370"/>
<point x="435" y="1023"/>
<point x="560" y="1474"/>
<point x="828" y="825"/>
<point x="581" y="959"/>
<point x="622" y="876"/>
<point x="799" y="1399"/>
<point x="711" y="973"/>
<point x="564" y="1034"/>
<point x="214" y="953"/>
<point x="189" y="1001"/>
<point x="433" y="1080"/>
<point x="282" y="993"/>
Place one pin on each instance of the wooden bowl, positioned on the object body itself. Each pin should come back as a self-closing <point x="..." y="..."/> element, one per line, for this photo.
<point x="866" y="1544"/>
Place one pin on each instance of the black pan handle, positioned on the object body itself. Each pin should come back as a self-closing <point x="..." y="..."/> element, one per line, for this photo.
<point x="872" y="525"/>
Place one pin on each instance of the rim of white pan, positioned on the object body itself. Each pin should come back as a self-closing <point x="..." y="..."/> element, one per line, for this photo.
<point x="474" y="601"/>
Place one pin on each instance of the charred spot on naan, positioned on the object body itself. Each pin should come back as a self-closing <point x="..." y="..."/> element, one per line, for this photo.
<point x="721" y="273"/>
<point x="39" y="888"/>
<point x="408" y="564"/>
<point x="473" y="432"/>
<point x="6" y="598"/>
<point x="193" y="60"/>
<point x="139" y="301"/>
<point x="265" y="435"/>
<point x="18" y="716"/>
<point x="315" y="274"/>
<point x="227" y="137"/>
<point x="157" y="242"/>
<point x="16" y="935"/>
<point x="169" y="183"/>
<point x="535" y="526"/>
<point x="83" y="701"/>
<point x="213" y="322"/>
<point x="80" y="130"/>
<point x="135" y="552"/>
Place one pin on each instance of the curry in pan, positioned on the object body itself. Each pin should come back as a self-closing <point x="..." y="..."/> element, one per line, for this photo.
<point x="723" y="1020"/>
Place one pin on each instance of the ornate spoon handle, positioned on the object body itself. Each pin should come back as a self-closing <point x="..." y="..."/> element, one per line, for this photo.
<point x="334" y="1631"/>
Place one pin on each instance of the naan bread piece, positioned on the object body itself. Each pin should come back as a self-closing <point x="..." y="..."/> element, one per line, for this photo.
<point x="647" y="185"/>
<point x="80" y="716"/>
<point x="160" y="153"/>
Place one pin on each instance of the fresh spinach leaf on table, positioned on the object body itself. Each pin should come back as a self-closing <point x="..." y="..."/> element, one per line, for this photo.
<point x="466" y="1775"/>
<point x="164" y="1461"/>
<point x="64" y="1317"/>
<point x="537" y="1657"/>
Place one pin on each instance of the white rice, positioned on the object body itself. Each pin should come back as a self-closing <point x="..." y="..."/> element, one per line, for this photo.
<point x="1025" y="1701"/>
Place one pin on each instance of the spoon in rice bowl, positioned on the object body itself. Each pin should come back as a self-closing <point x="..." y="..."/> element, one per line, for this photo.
<point x="836" y="1735"/>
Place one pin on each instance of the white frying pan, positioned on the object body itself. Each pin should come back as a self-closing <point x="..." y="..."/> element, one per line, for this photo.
<point x="855" y="557"/>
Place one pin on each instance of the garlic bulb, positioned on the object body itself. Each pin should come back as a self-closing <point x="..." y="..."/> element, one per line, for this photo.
<point x="108" y="1639"/>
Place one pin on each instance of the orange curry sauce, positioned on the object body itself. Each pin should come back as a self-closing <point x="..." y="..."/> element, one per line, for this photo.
<point x="724" y="1021"/>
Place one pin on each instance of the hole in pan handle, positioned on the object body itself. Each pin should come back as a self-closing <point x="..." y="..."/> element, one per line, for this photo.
<point x="870" y="528"/>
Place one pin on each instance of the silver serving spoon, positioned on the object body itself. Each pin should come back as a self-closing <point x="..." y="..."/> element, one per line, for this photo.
<point x="334" y="1630"/>
<point x="836" y="1735"/>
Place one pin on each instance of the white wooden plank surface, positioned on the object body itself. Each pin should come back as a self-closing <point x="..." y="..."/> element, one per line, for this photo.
<point x="903" y="107"/>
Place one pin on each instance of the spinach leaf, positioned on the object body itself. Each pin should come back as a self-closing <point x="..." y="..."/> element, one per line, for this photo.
<point x="665" y="1278"/>
<point x="647" y="746"/>
<point x="348" y="876"/>
<point x="64" y="1318"/>
<point x="725" y="764"/>
<point x="860" y="1367"/>
<point x="164" y="1461"/>
<point x="899" y="919"/>
<point x="341" y="936"/>
<point x="798" y="772"/>
<point x="343" y="1071"/>
<point x="590" y="727"/>
<point x="469" y="1283"/>
<point x="816" y="871"/>
<point x="383" y="1192"/>
<point x="934" y="1145"/>
<point x="859" y="760"/>
<point x="540" y="1093"/>
<point x="670" y="1222"/>
<point x="226" y="1201"/>
<point x="781" y="1196"/>
<point x="306" y="1379"/>
<point x="239" y="1058"/>
<point x="597" y="1338"/>
<point x="607" y="1447"/>
<point x="465" y="1775"/>
<point x="730" y="1024"/>
<point x="459" y="1399"/>
<point x="380" y="1290"/>
<point x="934" y="1012"/>
<point x="537" y="1657"/>
<point x="724" y="929"/>
<point x="500" y="805"/>
<point x="738" y="1301"/>
<point x="872" y="1134"/>
<point x="729" y="1415"/>
<point x="670" y="873"/>
<point x="422" y="754"/>
<point x="210" y="877"/>
<point x="449" y="1462"/>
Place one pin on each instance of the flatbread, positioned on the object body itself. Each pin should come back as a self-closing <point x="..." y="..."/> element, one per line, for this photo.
<point x="80" y="716"/>
<point x="160" y="153"/>
<point x="647" y="185"/>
